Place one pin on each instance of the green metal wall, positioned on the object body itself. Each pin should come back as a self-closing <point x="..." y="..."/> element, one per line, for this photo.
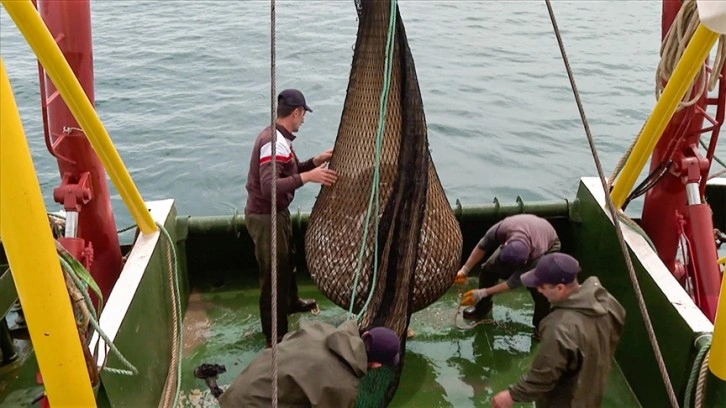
<point x="596" y="246"/>
<point x="146" y="332"/>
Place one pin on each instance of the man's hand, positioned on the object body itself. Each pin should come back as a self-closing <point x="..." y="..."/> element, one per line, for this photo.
<point x="461" y="275"/>
<point x="503" y="400"/>
<point x="473" y="297"/>
<point x="323" y="157"/>
<point x="321" y="175"/>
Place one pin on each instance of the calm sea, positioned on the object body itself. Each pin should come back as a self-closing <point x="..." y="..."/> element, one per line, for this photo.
<point x="183" y="88"/>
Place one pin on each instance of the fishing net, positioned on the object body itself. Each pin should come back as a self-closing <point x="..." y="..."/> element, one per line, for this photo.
<point x="419" y="239"/>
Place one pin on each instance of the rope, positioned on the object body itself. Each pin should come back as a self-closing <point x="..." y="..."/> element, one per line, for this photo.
<point x="635" y="227"/>
<point x="718" y="160"/>
<point x="174" y="376"/>
<point x="718" y="173"/>
<point x="73" y="273"/>
<point x="672" y="48"/>
<point x="383" y="108"/>
<point x="273" y="201"/>
<point x="124" y="229"/>
<point x="701" y="386"/>
<point x="699" y="362"/>
<point x="461" y="326"/>
<point x="621" y="163"/>
<point x="614" y="216"/>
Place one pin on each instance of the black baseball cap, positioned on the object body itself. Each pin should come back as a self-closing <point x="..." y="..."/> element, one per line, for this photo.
<point x="292" y="98"/>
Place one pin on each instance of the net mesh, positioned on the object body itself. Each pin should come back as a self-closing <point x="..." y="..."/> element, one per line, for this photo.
<point x="419" y="239"/>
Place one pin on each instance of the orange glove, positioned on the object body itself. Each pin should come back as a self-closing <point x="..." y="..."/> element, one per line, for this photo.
<point x="473" y="297"/>
<point x="461" y="275"/>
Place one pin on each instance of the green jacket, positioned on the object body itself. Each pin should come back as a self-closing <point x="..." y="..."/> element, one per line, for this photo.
<point x="318" y="366"/>
<point x="579" y="338"/>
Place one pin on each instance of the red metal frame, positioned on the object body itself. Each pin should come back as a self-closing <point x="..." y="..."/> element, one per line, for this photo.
<point x="666" y="212"/>
<point x="83" y="187"/>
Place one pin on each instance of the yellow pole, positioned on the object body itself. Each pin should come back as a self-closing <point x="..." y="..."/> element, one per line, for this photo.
<point x="36" y="33"/>
<point x="35" y="267"/>
<point x="717" y="359"/>
<point x="683" y="75"/>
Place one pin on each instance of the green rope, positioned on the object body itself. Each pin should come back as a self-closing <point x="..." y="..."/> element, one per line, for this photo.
<point x="78" y="268"/>
<point x="383" y="108"/>
<point x="694" y="372"/>
<point x="76" y="272"/>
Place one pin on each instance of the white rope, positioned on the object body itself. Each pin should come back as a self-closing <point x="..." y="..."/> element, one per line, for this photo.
<point x="701" y="384"/>
<point x="273" y="209"/>
<point x="672" y="48"/>
<point x="172" y="388"/>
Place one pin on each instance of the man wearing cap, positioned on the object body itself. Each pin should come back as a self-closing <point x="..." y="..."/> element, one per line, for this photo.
<point x="578" y="342"/>
<point x="514" y="246"/>
<point x="318" y="365"/>
<point x="291" y="175"/>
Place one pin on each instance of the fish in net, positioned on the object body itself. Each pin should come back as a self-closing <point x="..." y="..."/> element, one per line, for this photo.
<point x="419" y="239"/>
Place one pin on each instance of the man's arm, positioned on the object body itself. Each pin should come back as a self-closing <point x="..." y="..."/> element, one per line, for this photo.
<point x="314" y="162"/>
<point x="486" y="244"/>
<point x="268" y="164"/>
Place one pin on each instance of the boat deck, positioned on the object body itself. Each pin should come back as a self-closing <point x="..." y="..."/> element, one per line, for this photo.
<point x="444" y="366"/>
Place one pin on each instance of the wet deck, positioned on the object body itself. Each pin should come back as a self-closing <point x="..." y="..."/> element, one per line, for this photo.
<point x="444" y="366"/>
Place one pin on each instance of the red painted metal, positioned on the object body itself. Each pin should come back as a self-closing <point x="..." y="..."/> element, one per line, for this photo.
<point x="708" y="280"/>
<point x="667" y="202"/>
<point x="83" y="188"/>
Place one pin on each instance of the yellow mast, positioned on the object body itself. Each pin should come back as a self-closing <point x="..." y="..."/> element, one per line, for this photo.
<point x="30" y="248"/>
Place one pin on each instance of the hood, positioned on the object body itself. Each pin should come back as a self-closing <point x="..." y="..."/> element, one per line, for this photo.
<point x="592" y="300"/>
<point x="345" y="342"/>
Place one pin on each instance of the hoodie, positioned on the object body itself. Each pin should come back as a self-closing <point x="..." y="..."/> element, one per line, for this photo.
<point x="318" y="366"/>
<point x="575" y="355"/>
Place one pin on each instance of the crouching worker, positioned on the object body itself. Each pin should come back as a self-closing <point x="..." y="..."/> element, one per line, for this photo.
<point x="318" y="366"/>
<point x="512" y="246"/>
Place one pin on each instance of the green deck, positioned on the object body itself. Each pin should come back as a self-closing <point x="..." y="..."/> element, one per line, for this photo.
<point x="443" y="367"/>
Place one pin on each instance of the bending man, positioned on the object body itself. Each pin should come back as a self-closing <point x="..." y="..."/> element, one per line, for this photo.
<point x="318" y="366"/>
<point x="514" y="246"/>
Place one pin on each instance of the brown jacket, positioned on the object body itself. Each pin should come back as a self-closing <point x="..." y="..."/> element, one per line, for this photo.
<point x="287" y="165"/>
<point x="579" y="338"/>
<point x="318" y="366"/>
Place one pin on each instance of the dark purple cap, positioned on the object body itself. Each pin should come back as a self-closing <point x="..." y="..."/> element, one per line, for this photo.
<point x="382" y="346"/>
<point x="514" y="252"/>
<point x="292" y="98"/>
<point x="552" y="269"/>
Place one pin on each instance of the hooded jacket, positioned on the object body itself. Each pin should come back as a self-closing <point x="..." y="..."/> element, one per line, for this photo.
<point x="575" y="355"/>
<point x="318" y="366"/>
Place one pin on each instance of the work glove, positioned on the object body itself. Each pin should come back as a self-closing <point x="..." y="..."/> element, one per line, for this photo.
<point x="461" y="275"/>
<point x="473" y="297"/>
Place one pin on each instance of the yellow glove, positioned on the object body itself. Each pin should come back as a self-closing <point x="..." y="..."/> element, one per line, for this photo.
<point x="461" y="275"/>
<point x="473" y="297"/>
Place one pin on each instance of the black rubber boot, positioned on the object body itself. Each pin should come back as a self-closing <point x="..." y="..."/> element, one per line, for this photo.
<point x="478" y="311"/>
